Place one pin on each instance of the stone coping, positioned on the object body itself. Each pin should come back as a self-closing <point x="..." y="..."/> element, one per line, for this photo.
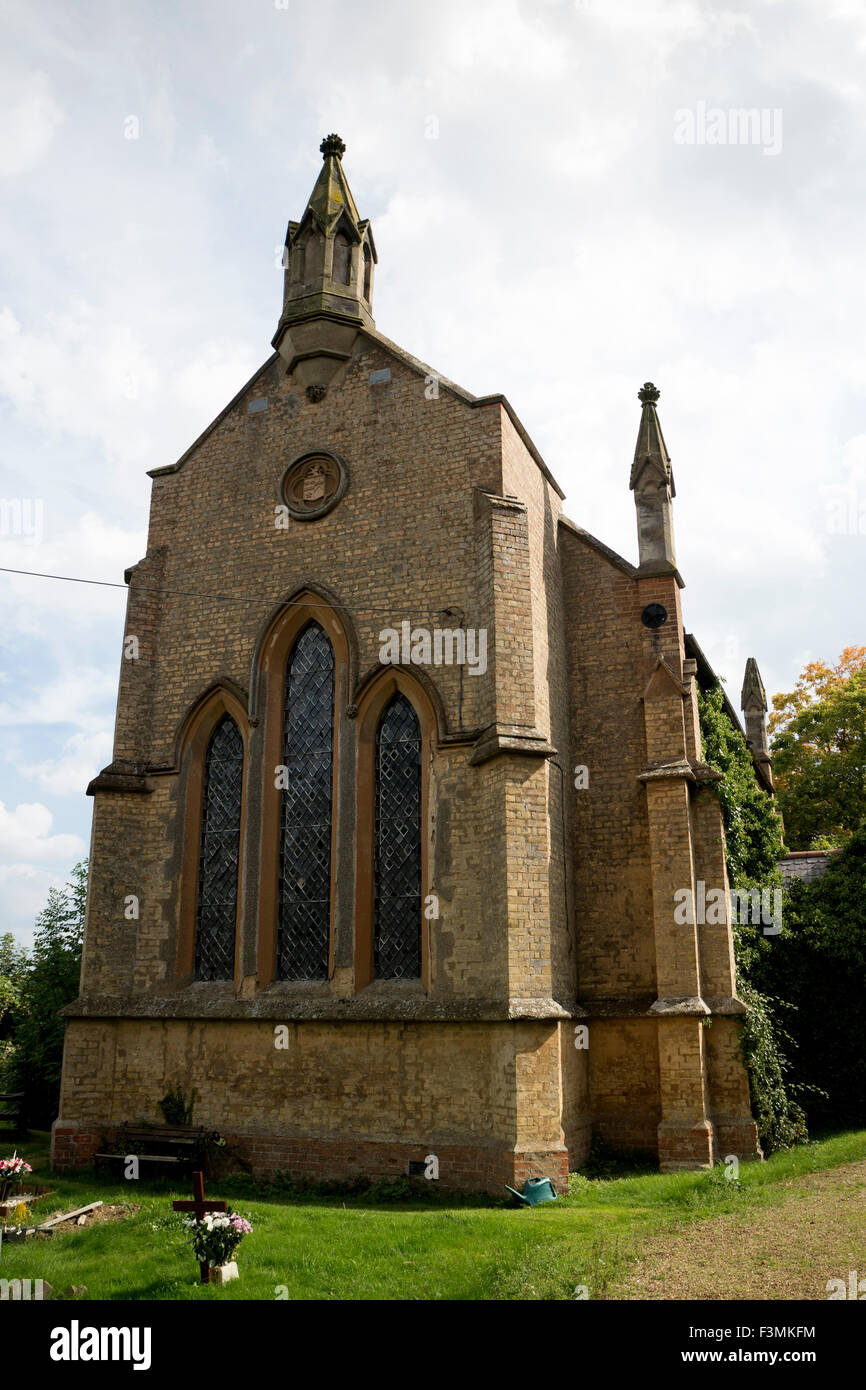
<point x="286" y="1005"/>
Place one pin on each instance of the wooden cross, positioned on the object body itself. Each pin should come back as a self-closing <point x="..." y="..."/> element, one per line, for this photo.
<point x="200" y="1206"/>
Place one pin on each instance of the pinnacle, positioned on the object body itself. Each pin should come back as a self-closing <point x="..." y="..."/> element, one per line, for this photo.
<point x="650" y="448"/>
<point x="753" y="686"/>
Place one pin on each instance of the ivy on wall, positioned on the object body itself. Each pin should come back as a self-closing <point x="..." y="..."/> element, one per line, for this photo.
<point x="753" y="845"/>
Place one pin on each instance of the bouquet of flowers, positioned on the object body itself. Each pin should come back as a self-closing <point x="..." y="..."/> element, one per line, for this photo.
<point x="216" y="1237"/>
<point x="12" y="1170"/>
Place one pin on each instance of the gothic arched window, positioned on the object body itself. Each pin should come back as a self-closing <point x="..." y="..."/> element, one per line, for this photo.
<point x="217" y="903"/>
<point x="397" y="844"/>
<point x="305" y="820"/>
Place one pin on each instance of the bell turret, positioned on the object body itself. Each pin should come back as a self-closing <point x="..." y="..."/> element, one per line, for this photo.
<point x="328" y="281"/>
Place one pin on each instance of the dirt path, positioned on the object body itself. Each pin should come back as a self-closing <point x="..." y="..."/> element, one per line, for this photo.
<point x="785" y="1252"/>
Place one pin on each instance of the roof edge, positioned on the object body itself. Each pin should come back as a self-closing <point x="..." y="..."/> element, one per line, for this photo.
<point x="466" y="396"/>
<point x="595" y="544"/>
<point x="422" y="368"/>
<point x="175" y="467"/>
<point x="499" y="399"/>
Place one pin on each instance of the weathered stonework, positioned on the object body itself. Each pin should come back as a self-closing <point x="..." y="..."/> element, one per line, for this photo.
<point x="555" y="900"/>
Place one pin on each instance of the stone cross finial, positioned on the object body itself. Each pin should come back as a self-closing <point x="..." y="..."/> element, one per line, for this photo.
<point x="332" y="144"/>
<point x="648" y="392"/>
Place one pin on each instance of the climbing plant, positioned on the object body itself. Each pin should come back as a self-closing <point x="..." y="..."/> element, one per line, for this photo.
<point x="753" y="845"/>
<point x="818" y="964"/>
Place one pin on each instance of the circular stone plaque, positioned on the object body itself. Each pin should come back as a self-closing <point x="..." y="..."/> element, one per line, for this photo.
<point x="313" y="484"/>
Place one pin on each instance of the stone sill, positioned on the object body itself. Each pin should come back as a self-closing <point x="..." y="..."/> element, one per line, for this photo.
<point x="647" y="1007"/>
<point x="286" y="1007"/>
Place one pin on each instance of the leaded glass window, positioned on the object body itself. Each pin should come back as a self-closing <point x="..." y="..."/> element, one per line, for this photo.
<point x="305" y="828"/>
<point x="217" y="905"/>
<point x="397" y="855"/>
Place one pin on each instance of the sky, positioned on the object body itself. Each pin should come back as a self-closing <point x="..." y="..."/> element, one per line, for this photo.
<point x="565" y="204"/>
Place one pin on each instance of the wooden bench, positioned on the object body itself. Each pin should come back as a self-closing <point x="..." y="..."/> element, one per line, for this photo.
<point x="165" y="1147"/>
<point x="14" y="1116"/>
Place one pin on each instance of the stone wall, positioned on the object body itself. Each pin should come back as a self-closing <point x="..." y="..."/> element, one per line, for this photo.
<point x="341" y="1099"/>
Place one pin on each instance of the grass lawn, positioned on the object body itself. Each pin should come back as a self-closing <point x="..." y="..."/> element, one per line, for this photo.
<point x="355" y="1248"/>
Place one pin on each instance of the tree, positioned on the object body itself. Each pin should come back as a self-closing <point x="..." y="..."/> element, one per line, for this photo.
<point x="819" y="752"/>
<point x="13" y="962"/>
<point x="50" y="980"/>
<point x="818" y="964"/>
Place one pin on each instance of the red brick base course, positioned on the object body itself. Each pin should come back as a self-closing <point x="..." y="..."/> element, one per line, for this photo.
<point x="738" y="1137"/>
<point x="464" y="1168"/>
<point x="73" y="1145"/>
<point x="685" y="1146"/>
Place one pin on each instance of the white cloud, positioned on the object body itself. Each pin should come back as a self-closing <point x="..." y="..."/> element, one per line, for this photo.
<point x="29" y="116"/>
<point x="68" y="700"/>
<point x="81" y="757"/>
<point x="24" y="893"/>
<point x="215" y="375"/>
<point x="25" y="837"/>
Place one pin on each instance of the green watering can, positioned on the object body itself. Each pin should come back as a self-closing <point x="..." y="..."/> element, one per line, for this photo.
<point x="535" y="1190"/>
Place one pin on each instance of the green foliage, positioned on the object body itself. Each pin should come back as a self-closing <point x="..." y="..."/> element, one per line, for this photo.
<point x="13" y="963"/>
<point x="753" y="827"/>
<point x="818" y="964"/>
<point x="176" y="1109"/>
<point x="335" y="1248"/>
<point x="819" y="752"/>
<point x="753" y="844"/>
<point x="47" y="981"/>
<point x="764" y="1044"/>
<point x="391" y="1190"/>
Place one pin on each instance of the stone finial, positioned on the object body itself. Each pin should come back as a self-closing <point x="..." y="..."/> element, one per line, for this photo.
<point x="650" y="449"/>
<point x="332" y="144"/>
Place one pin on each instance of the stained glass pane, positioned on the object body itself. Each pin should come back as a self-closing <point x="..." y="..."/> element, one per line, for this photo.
<point x="216" y="914"/>
<point x="397" y="869"/>
<point x="305" y="829"/>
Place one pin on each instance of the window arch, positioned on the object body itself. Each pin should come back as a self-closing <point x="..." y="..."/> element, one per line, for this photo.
<point x="219" y="854"/>
<point x="397" y="844"/>
<point x="306" y="813"/>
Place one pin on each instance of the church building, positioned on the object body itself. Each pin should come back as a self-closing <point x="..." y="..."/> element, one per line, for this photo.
<point x="407" y="786"/>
